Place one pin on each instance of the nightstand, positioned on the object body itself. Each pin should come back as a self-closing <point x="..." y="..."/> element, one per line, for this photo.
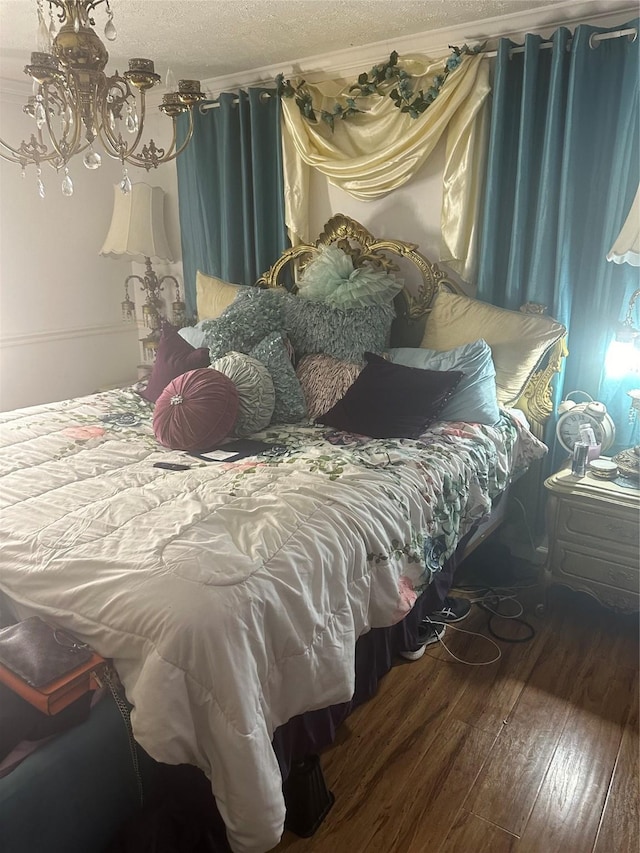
<point x="594" y="538"/>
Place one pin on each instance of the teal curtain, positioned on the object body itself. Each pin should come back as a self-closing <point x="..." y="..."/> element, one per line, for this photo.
<point x="563" y="169"/>
<point x="230" y="190"/>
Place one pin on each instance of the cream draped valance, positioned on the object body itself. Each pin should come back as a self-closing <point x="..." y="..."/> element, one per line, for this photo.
<point x="370" y="154"/>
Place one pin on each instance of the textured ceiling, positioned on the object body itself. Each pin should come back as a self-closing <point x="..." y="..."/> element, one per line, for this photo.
<point x="214" y="38"/>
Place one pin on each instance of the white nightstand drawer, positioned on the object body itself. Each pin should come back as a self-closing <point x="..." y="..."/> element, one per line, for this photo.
<point x="578" y="563"/>
<point x="577" y="523"/>
<point x="594" y="538"/>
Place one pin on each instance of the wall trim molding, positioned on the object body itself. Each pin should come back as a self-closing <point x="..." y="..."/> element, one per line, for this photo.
<point x="52" y="335"/>
<point x="433" y="43"/>
<point x="541" y="19"/>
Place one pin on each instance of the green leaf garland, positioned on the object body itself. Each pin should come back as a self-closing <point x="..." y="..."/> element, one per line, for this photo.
<point x="376" y="82"/>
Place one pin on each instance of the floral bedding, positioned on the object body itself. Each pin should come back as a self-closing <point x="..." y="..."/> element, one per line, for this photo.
<point x="231" y="594"/>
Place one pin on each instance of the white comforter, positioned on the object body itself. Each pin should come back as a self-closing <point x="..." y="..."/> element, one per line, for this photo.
<point x="230" y="596"/>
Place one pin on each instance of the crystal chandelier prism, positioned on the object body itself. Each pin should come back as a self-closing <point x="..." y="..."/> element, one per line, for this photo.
<point x="77" y="108"/>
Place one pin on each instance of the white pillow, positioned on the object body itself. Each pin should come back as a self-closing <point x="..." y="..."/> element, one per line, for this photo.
<point x="193" y="335"/>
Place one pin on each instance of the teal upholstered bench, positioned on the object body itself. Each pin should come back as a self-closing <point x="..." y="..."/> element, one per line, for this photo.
<point x="72" y="794"/>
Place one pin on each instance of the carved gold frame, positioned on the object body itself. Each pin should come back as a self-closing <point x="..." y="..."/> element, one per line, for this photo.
<point x="363" y="247"/>
<point x="536" y="401"/>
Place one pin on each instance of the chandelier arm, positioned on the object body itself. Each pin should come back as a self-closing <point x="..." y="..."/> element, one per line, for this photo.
<point x="72" y="148"/>
<point x="167" y="157"/>
<point x="63" y="5"/>
<point x="114" y="148"/>
<point x="14" y="157"/>
<point x="78" y="105"/>
<point x="26" y="159"/>
<point x="187" y="138"/>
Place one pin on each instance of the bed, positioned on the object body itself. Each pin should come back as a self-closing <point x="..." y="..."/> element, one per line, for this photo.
<point x="231" y="596"/>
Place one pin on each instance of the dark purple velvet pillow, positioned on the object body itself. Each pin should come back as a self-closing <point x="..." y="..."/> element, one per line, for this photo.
<point x="196" y="411"/>
<point x="174" y="356"/>
<point x="392" y="401"/>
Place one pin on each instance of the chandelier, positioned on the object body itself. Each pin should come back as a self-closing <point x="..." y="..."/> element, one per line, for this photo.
<point x="76" y="107"/>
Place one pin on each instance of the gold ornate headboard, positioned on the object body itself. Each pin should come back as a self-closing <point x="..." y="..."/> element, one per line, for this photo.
<point x="414" y="300"/>
<point x="423" y="279"/>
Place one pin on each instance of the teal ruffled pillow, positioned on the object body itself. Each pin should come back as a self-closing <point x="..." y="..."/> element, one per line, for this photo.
<point x="290" y="406"/>
<point x="345" y="334"/>
<point x="252" y="315"/>
<point x="332" y="278"/>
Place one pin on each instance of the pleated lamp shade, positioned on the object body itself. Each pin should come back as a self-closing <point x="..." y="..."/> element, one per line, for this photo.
<point x="137" y="225"/>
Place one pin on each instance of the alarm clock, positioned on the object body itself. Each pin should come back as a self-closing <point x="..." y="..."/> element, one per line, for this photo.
<point x="572" y="415"/>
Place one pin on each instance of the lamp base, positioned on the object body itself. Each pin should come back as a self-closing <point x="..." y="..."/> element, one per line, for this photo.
<point x="628" y="461"/>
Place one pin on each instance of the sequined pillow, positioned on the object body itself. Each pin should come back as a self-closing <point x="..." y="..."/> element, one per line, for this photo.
<point x="251" y="316"/>
<point x="256" y="394"/>
<point x="290" y="404"/>
<point x="345" y="334"/>
<point x="324" y="381"/>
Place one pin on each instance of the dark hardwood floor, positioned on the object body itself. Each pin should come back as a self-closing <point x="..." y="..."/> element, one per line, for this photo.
<point x="536" y="753"/>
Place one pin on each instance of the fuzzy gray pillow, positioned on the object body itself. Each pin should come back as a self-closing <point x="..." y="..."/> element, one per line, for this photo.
<point x="345" y="334"/>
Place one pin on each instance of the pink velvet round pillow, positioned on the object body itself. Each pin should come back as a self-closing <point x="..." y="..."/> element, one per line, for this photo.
<point x="196" y="411"/>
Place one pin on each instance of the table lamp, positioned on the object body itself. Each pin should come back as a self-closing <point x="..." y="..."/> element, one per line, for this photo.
<point x="137" y="234"/>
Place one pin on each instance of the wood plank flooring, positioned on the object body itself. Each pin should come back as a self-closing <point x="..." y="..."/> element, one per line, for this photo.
<point x="536" y="753"/>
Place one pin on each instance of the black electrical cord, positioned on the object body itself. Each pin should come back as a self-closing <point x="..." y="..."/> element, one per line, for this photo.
<point x="493" y="614"/>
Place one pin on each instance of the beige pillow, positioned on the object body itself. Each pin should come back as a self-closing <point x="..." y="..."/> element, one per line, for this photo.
<point x="213" y="295"/>
<point x="518" y="341"/>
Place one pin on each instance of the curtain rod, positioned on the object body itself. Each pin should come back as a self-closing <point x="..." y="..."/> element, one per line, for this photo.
<point x="488" y="54"/>
<point x="593" y="40"/>
<point x="264" y="96"/>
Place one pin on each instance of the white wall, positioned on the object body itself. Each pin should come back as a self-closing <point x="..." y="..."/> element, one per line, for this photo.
<point x="410" y="213"/>
<point x="61" y="332"/>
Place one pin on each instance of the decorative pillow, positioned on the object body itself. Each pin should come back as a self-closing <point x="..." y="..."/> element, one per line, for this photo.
<point x="332" y="278"/>
<point x="518" y="341"/>
<point x="475" y="399"/>
<point x="324" y="381"/>
<point x="392" y="401"/>
<point x="213" y="295"/>
<point x="173" y="357"/>
<point x="193" y="335"/>
<point x="196" y="411"/>
<point x="256" y="395"/>
<point x="251" y="316"/>
<point x="290" y="405"/>
<point x="345" y="334"/>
